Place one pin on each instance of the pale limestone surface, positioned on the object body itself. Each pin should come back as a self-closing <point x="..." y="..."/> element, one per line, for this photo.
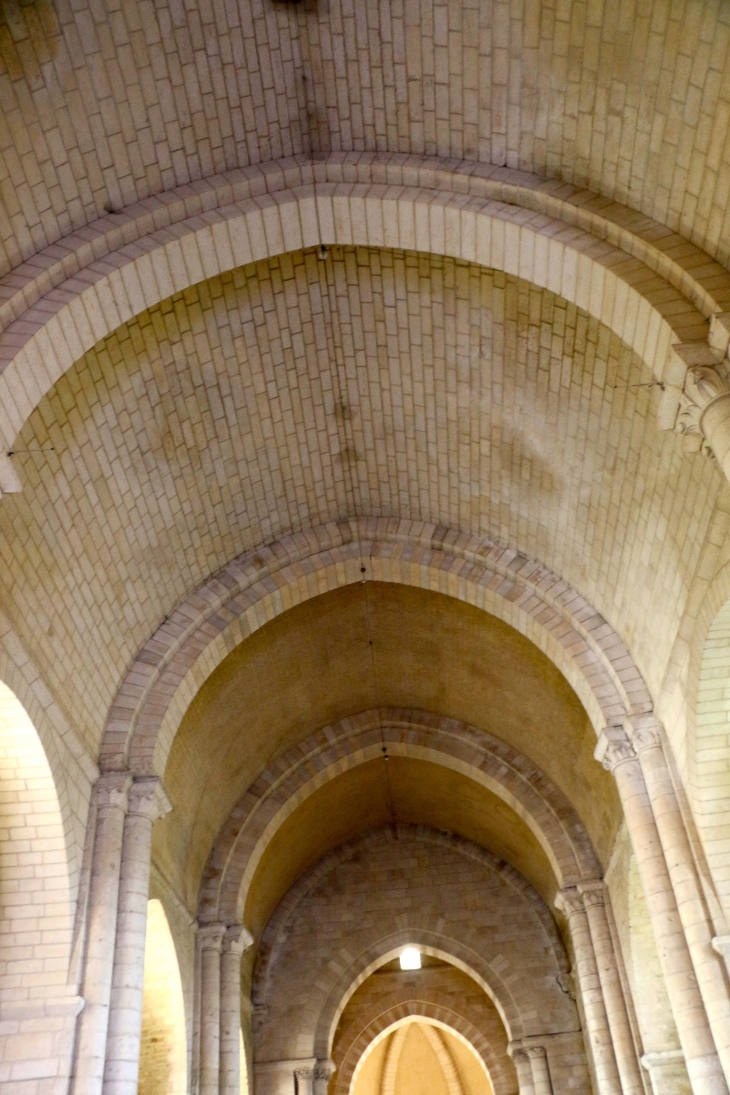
<point x="364" y="459"/>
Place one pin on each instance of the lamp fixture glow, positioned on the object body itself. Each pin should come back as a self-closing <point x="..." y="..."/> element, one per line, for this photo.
<point x="410" y="959"/>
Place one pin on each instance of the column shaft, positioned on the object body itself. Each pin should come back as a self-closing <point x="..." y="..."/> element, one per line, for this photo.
<point x="112" y="790"/>
<point x="703" y="1063"/>
<point x="540" y="1070"/>
<point x="570" y="902"/>
<point x="710" y="971"/>
<point x="594" y="896"/>
<point x="235" y="941"/>
<point x="524" y="1071"/>
<point x="147" y="801"/>
<point x="210" y="939"/>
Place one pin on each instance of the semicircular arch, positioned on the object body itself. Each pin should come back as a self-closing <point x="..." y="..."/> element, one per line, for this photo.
<point x="506" y="987"/>
<point x="36" y="857"/>
<point x="646" y="311"/>
<point x="261" y="584"/>
<point x="281" y="788"/>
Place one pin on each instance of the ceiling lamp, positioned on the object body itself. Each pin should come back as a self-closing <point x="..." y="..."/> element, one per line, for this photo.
<point x="410" y="959"/>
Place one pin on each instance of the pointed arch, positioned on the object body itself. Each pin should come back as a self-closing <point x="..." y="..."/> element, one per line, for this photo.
<point x="440" y="1014"/>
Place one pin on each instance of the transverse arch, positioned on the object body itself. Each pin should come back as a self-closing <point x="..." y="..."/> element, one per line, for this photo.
<point x="281" y="788"/>
<point x="438" y="1013"/>
<point x="55" y="318"/>
<point x="264" y="582"/>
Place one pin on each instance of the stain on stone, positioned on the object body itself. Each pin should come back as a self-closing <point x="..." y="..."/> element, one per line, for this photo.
<point x="29" y="38"/>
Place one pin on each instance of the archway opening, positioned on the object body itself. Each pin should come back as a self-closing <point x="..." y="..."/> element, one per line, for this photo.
<point x="163" y="1056"/>
<point x="419" y="1056"/>
<point x="440" y="994"/>
<point x="34" y="877"/>
<point x="36" y="920"/>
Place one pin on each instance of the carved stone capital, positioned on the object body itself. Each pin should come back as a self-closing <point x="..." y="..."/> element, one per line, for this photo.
<point x="569" y="901"/>
<point x="148" y="798"/>
<point x="703" y="385"/>
<point x="614" y="748"/>
<point x="210" y="937"/>
<point x="259" y="1013"/>
<point x="112" y="791"/>
<point x="237" y="939"/>
<point x="536" y="1051"/>
<point x="517" y="1052"/>
<point x="592" y="892"/>
<point x="324" y="1070"/>
<point x="694" y="377"/>
<point x="566" y="984"/>
<point x="645" y="732"/>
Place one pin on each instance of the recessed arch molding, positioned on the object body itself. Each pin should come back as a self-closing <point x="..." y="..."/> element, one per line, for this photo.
<point x="618" y="266"/>
<point x="470" y="951"/>
<point x="290" y="779"/>
<point x="439" y="1009"/>
<point x="264" y="582"/>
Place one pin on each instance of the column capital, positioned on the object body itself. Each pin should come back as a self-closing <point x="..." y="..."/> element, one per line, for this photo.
<point x="259" y="1013"/>
<point x="112" y="790"/>
<point x="210" y="936"/>
<point x="325" y="1069"/>
<point x="703" y="385"/>
<point x="645" y="731"/>
<point x="660" y="1058"/>
<point x="237" y="939"/>
<point x="614" y="748"/>
<point x="517" y="1051"/>
<point x="695" y="377"/>
<point x="569" y="901"/>
<point x="536" y="1051"/>
<point x="593" y="892"/>
<point x="148" y="798"/>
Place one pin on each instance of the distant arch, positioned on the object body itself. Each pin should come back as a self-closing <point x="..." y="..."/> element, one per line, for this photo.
<point x="283" y="786"/>
<point x="498" y="1067"/>
<point x="37" y="901"/>
<point x="35" y="882"/>
<point x="264" y="582"/>
<point x="163" y="1051"/>
<point x="481" y="958"/>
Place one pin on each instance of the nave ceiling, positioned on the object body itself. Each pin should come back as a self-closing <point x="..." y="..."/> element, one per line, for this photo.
<point x="629" y="100"/>
<point x="306" y="390"/>
<point x="322" y="573"/>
